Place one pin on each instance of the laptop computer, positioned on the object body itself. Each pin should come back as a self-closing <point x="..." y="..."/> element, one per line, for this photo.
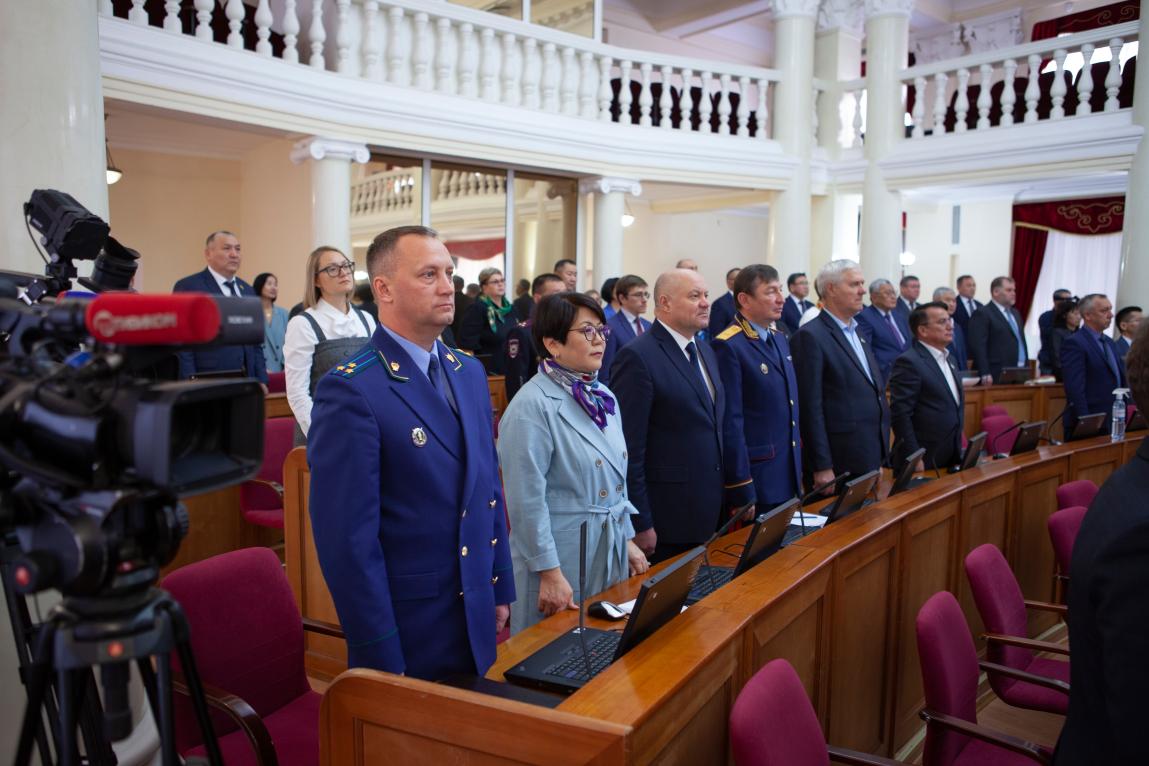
<point x="766" y="537"/>
<point x="972" y="453"/>
<point x="1137" y="422"/>
<point x="566" y="664"/>
<point x="1015" y="375"/>
<point x="1089" y="425"/>
<point x="905" y="478"/>
<point x="1028" y="435"/>
<point x="855" y="497"/>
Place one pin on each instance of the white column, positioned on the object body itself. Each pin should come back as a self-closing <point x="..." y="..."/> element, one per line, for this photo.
<point x="1133" y="285"/>
<point x="887" y="31"/>
<point x="330" y="161"/>
<point x="609" y="206"/>
<point x="52" y="121"/>
<point x="789" y="222"/>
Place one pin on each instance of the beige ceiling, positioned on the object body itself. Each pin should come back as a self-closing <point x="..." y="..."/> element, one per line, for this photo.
<point x="142" y="128"/>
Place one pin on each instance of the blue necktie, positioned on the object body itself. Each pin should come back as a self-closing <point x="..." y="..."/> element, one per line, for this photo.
<point x="1110" y="357"/>
<point x="1021" y="360"/>
<point x="897" y="334"/>
<point x="435" y="375"/>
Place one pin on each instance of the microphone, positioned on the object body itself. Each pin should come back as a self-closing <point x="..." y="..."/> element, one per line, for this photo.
<point x="814" y="493"/>
<point x="738" y="514"/>
<point x="1049" y="428"/>
<point x="993" y="444"/>
<point x="152" y="320"/>
<point x="582" y="599"/>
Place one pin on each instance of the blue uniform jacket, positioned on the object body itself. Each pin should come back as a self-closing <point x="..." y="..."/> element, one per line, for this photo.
<point x="1088" y="379"/>
<point x="760" y="432"/>
<point x="407" y="512"/>
<point x="215" y="358"/>
<point x="621" y="333"/>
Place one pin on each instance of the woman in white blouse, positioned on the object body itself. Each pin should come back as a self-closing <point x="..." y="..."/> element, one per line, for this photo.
<point x="329" y="330"/>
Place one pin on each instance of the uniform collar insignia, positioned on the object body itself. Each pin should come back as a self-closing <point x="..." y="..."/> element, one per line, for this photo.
<point x="746" y="327"/>
<point x="393" y="369"/>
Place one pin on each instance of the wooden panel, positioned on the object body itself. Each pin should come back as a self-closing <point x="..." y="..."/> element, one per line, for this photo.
<point x="1096" y="463"/>
<point x="1054" y="400"/>
<point x="497" y="385"/>
<point x="697" y="738"/>
<point x="1031" y="553"/>
<point x="985" y="519"/>
<point x="929" y="563"/>
<point x="863" y="643"/>
<point x="1018" y="401"/>
<point x="276" y="406"/>
<point x="215" y="526"/>
<point x="974" y="401"/>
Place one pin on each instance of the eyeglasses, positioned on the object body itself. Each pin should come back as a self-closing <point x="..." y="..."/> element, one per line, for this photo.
<point x="493" y="281"/>
<point x="637" y="294"/>
<point x="589" y="331"/>
<point x="335" y="269"/>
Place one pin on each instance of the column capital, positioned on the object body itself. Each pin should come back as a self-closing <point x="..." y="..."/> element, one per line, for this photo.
<point x="604" y="185"/>
<point x="320" y="148"/>
<point x="841" y="14"/>
<point x="791" y="8"/>
<point x="876" y="8"/>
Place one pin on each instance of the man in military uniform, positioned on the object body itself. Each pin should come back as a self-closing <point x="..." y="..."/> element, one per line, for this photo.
<point x="761" y="442"/>
<point x="520" y="361"/>
<point x="406" y="505"/>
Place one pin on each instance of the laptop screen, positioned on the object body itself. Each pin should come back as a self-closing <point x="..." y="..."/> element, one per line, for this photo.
<point x="853" y="496"/>
<point x="1027" y="437"/>
<point x="906" y="472"/>
<point x="973" y="451"/>
<point x="661" y="598"/>
<point x="766" y="536"/>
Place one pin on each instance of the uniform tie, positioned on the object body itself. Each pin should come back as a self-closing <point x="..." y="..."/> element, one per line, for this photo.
<point x="435" y="375"/>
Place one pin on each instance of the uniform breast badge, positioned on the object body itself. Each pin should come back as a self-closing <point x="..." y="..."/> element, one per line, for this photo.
<point x="418" y="436"/>
<point x="765" y="369"/>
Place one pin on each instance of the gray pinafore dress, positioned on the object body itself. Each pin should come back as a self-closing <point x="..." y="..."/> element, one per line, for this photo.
<point x="328" y="354"/>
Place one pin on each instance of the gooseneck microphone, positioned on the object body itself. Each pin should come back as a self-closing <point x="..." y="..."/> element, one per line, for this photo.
<point x="836" y="481"/>
<point x="582" y="598"/>
<point x="993" y="444"/>
<point x="735" y="516"/>
<point x="1049" y="429"/>
<point x="933" y="455"/>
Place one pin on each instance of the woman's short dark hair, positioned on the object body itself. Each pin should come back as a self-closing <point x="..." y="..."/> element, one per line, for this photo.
<point x="555" y="314"/>
<point x="607" y="290"/>
<point x="1061" y="312"/>
<point x="260" y="281"/>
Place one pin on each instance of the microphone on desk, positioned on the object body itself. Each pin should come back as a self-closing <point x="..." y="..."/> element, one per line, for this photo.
<point x="737" y="514"/>
<point x="993" y="444"/>
<point x="1049" y="428"/>
<point x="834" y="482"/>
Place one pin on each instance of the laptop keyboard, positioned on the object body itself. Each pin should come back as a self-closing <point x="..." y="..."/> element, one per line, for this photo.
<point x="708" y="580"/>
<point x="599" y="651"/>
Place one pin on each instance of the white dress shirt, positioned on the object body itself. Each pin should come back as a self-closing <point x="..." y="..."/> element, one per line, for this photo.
<point x="941" y="356"/>
<point x="970" y="306"/>
<point x="222" y="281"/>
<point x="299" y="350"/>
<point x="682" y="340"/>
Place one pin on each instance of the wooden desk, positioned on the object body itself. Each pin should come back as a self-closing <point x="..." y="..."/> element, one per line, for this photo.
<point x="1022" y="402"/>
<point x="276" y="406"/>
<point x="839" y="605"/>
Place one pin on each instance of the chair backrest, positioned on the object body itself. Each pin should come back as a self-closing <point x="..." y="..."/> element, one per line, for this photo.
<point x="773" y="723"/>
<point x="276" y="382"/>
<point x="246" y="634"/>
<point x="993" y="409"/>
<point x="949" y="673"/>
<point x="1080" y="492"/>
<point x="1001" y="606"/>
<point x="1063" y="528"/>
<point x="994" y="426"/>
<point x="278" y="434"/>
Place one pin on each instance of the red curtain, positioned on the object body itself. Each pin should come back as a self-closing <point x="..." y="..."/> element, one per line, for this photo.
<point x="477" y="249"/>
<point x="1107" y="15"/>
<point x="1032" y="223"/>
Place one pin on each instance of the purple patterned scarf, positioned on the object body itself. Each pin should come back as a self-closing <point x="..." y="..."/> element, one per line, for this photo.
<point x="585" y="389"/>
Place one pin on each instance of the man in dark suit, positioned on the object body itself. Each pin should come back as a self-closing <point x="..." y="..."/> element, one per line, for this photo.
<point x="845" y="416"/>
<point x="462" y="301"/>
<point x="722" y="310"/>
<point x="910" y="288"/>
<point x="996" y="334"/>
<point x="796" y="304"/>
<point x="1045" y="327"/>
<point x="1128" y="320"/>
<point x="760" y="434"/>
<point x="882" y="325"/>
<point x="958" y="349"/>
<point x="1108" y="621"/>
<point x="406" y="502"/>
<point x="1090" y="367"/>
<point x="223" y="255"/>
<point x="627" y="323"/>
<point x="520" y="359"/>
<point x="669" y="388"/>
<point x="524" y="302"/>
<point x="967" y="304"/>
<point x="927" y="406"/>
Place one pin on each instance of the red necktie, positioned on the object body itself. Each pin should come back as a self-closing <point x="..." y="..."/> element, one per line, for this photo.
<point x="638" y="326"/>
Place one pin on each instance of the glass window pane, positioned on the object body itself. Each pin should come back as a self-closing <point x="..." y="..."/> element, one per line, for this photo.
<point x="545" y="215"/>
<point x="386" y="192"/>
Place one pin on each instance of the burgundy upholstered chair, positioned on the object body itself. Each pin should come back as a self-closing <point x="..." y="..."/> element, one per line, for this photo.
<point x="1034" y="682"/>
<point x="949" y="677"/>
<point x="1080" y="492"/>
<point x="773" y="723"/>
<point x="276" y="382"/>
<point x="993" y="409"/>
<point x="247" y="638"/>
<point x="261" y="498"/>
<point x="1063" y="527"/>
<point x="995" y="426"/>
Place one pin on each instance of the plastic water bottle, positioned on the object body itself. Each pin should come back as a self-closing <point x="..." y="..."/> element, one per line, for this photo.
<point x="1117" y="428"/>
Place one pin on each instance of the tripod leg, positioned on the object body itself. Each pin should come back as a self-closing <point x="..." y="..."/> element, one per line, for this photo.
<point x="69" y="753"/>
<point x="195" y="685"/>
<point x="97" y="745"/>
<point x="166" y="714"/>
<point x="39" y="673"/>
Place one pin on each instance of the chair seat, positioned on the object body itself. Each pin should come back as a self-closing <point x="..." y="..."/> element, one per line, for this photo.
<point x="272" y="518"/>
<point x="294" y="730"/>
<point x="1034" y="697"/>
<point x="979" y="753"/>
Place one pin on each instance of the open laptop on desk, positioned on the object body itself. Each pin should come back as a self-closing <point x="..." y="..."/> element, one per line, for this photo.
<point x="972" y="453"/>
<point x="766" y="537"/>
<point x="574" y="658"/>
<point x="1089" y="425"/>
<point x="905" y="477"/>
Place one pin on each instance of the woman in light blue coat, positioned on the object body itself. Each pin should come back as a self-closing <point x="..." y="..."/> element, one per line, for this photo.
<point x="563" y="457"/>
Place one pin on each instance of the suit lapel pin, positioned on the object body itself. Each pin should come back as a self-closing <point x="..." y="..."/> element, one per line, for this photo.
<point x="765" y="369"/>
<point x="418" y="436"/>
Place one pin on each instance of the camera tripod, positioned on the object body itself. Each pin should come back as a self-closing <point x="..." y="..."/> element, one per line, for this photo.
<point x="82" y="633"/>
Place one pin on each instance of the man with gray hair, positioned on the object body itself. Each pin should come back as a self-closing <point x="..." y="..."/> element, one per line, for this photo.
<point x="884" y="326"/>
<point x="957" y="347"/>
<point x="1090" y="368"/>
<point x="845" y="419"/>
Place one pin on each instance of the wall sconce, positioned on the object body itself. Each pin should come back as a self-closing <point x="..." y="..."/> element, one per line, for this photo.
<point x="114" y="173"/>
<point x="627" y="219"/>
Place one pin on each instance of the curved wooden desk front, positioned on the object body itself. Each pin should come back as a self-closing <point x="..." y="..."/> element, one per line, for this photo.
<point x="839" y="605"/>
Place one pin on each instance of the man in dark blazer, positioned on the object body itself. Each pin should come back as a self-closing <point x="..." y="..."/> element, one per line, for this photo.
<point x="927" y="405"/>
<point x="796" y="304"/>
<point x="627" y="323"/>
<point x="1128" y="320"/>
<point x="673" y="403"/>
<point x="996" y="334"/>
<point x="520" y="359"/>
<point x="909" y="289"/>
<point x="722" y="310"/>
<point x="967" y="305"/>
<point x="1090" y="367"/>
<point x="406" y="502"/>
<point x="1045" y="329"/>
<point x="223" y="255"/>
<point x="845" y="416"/>
<point x="882" y="325"/>
<point x="1108" y="621"/>
<point x="958" y="349"/>
<point x="760" y="434"/>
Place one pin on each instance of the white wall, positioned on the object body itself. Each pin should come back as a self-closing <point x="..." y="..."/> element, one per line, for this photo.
<point x="983" y="249"/>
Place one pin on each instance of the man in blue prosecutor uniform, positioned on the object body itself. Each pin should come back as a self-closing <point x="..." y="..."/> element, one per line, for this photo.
<point x="406" y="505"/>
<point x="1090" y="368"/>
<point x="761" y="441"/>
<point x="223" y="254"/>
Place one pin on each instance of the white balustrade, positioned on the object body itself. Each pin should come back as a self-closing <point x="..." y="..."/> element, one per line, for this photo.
<point x="290" y="32"/>
<point x="317" y="35"/>
<point x="234" y="12"/>
<point x="263" y="21"/>
<point x="172" y="16"/>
